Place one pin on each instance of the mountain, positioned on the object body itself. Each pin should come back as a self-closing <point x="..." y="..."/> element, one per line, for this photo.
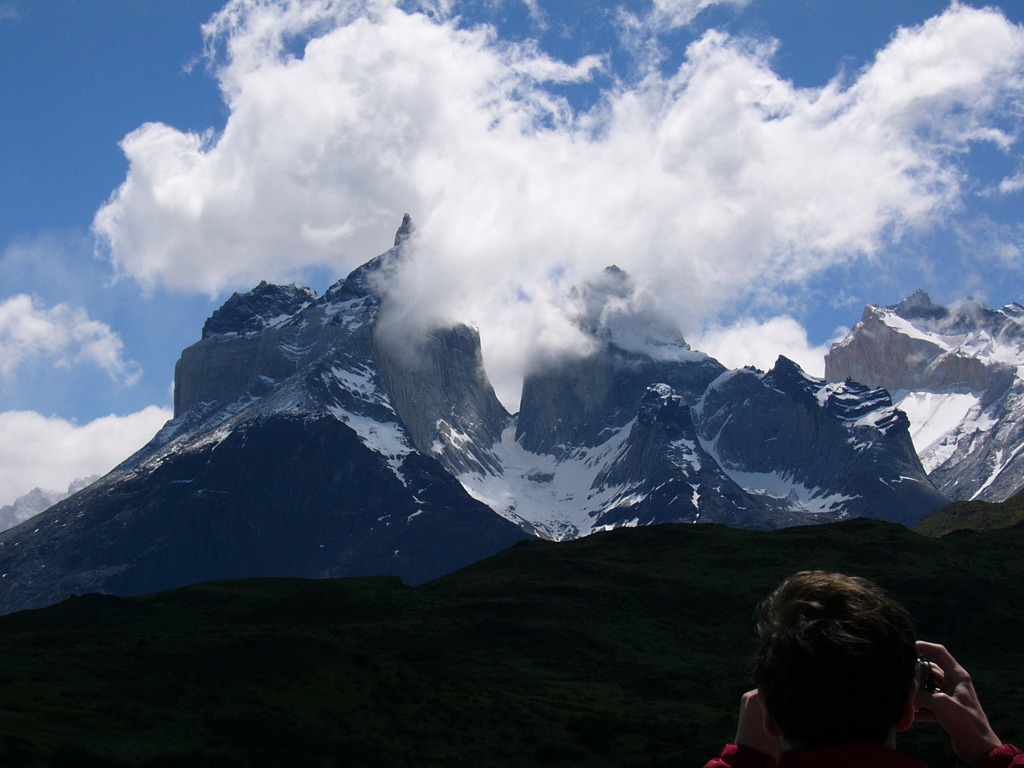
<point x="628" y="648"/>
<point x="37" y="500"/>
<point x="645" y="430"/>
<point x="288" y="456"/>
<point x="313" y="436"/>
<point x="830" y="451"/>
<point x="958" y="373"/>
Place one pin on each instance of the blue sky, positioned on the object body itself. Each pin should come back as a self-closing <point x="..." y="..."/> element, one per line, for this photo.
<point x="762" y="169"/>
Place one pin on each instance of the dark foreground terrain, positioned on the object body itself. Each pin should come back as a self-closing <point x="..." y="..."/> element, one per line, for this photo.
<point x="628" y="648"/>
<point x="973" y="515"/>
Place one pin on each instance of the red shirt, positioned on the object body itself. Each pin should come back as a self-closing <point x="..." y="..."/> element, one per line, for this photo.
<point x="852" y="756"/>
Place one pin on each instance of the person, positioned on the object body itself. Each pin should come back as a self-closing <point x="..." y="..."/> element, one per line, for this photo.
<point x="839" y="672"/>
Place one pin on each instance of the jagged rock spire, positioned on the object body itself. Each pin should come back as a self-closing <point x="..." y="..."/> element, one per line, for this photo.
<point x="405" y="231"/>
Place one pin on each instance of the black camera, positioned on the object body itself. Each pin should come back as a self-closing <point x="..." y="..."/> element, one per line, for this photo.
<point x="927" y="679"/>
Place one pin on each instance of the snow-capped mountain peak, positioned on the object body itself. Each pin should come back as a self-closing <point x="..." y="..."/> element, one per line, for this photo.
<point x="265" y="306"/>
<point x="958" y="373"/>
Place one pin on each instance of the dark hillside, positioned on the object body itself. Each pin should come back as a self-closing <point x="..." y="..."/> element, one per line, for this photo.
<point x="627" y="648"/>
<point x="973" y="516"/>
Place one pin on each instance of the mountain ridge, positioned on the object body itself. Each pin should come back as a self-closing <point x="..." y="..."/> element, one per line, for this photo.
<point x="640" y="430"/>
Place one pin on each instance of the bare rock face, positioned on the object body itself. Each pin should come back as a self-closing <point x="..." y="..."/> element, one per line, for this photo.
<point x="956" y="371"/>
<point x="879" y="356"/>
<point x="882" y="353"/>
<point x="580" y="401"/>
<point x="443" y="397"/>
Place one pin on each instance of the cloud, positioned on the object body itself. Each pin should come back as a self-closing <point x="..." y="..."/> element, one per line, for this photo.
<point x="9" y="12"/>
<point x="50" y="452"/>
<point x="61" y="335"/>
<point x="715" y="183"/>
<point x="678" y="13"/>
<point x="537" y="14"/>
<point x="642" y="33"/>
<point x="759" y="343"/>
<point x="1012" y="184"/>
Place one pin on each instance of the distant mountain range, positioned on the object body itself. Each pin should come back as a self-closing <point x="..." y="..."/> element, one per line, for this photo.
<point x="37" y="500"/>
<point x="958" y="374"/>
<point x="312" y="439"/>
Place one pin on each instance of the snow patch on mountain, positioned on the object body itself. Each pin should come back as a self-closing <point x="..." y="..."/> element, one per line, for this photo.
<point x="685" y="455"/>
<point x="935" y="416"/>
<point x="557" y="498"/>
<point x="986" y="343"/>
<point x="359" y="382"/>
<point x="1002" y="461"/>
<point x="780" y="486"/>
<point x="911" y="331"/>
<point x="386" y="438"/>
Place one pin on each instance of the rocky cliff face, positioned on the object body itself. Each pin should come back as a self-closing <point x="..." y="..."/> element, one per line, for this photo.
<point x="957" y="372"/>
<point x="578" y="402"/>
<point x="918" y="345"/>
<point x="442" y="396"/>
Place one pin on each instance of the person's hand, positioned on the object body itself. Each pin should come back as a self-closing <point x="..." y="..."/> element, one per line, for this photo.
<point x="955" y="706"/>
<point x="752" y="730"/>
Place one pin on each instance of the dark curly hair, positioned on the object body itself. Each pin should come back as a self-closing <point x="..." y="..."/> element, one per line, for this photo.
<point x="835" y="660"/>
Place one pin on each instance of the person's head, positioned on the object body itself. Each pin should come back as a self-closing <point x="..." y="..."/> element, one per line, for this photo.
<point x="836" y="660"/>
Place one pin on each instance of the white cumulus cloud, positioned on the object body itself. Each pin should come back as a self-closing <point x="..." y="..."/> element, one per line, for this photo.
<point x="717" y="182"/>
<point x="61" y="335"/>
<point x="49" y="452"/>
<point x="759" y="343"/>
